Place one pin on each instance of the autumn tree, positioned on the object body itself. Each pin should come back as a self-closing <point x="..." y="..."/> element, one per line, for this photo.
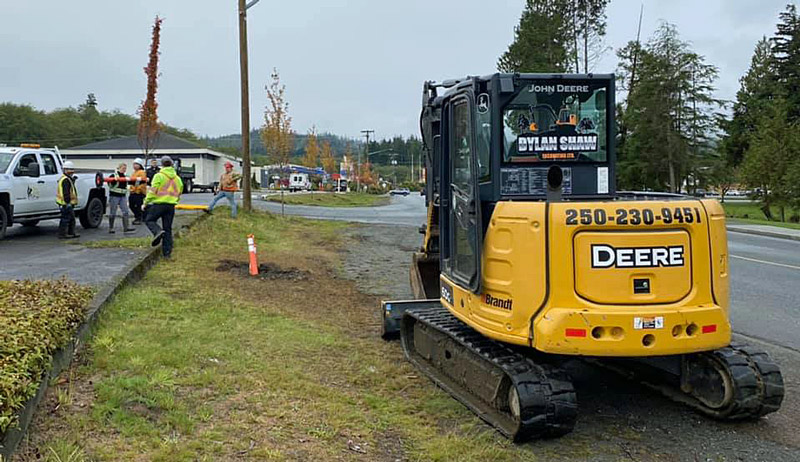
<point x="311" y="157"/>
<point x="276" y="134"/>
<point x="149" y="128"/>
<point x="328" y="161"/>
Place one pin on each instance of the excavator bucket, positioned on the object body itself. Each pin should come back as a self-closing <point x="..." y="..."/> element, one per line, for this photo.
<point x="424" y="275"/>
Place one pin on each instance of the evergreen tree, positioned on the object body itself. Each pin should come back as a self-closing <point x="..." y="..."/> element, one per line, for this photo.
<point x="786" y="53"/>
<point x="669" y="115"/>
<point x="588" y="31"/>
<point x="770" y="164"/>
<point x="756" y="94"/>
<point x="542" y="39"/>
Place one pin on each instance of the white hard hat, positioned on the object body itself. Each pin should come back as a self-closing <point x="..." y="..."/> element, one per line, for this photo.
<point x="139" y="161"/>
<point x="68" y="165"/>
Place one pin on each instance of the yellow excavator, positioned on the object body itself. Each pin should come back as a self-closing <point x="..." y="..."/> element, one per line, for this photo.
<point x="531" y="256"/>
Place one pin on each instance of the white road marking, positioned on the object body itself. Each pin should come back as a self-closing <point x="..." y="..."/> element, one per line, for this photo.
<point x="766" y="262"/>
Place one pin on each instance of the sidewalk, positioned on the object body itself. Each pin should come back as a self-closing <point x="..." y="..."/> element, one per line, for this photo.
<point x="764" y="230"/>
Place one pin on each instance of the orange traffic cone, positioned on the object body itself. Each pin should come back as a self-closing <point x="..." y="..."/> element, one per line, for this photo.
<point x="251" y="245"/>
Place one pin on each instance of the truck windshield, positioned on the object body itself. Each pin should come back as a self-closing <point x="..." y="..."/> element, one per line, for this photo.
<point x="557" y="121"/>
<point x="5" y="160"/>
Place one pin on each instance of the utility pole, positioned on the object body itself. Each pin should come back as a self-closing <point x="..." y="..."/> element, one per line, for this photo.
<point x="358" y="167"/>
<point x="247" y="196"/>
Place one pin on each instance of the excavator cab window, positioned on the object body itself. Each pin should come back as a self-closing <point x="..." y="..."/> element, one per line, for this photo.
<point x="463" y="215"/>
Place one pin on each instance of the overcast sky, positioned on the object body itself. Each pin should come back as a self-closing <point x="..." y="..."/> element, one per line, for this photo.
<point x="347" y="64"/>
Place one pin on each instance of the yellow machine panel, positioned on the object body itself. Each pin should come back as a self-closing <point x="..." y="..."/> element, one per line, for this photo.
<point x="602" y="278"/>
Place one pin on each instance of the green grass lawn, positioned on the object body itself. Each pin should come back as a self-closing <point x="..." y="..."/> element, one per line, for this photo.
<point x="750" y="212"/>
<point x="197" y="364"/>
<point x="332" y="199"/>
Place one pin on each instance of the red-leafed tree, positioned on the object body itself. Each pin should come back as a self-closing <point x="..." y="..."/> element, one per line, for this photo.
<point x="149" y="128"/>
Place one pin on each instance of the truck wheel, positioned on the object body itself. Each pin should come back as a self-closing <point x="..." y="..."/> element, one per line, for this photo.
<point x="30" y="223"/>
<point x="189" y="186"/>
<point x="92" y="215"/>
<point x="3" y="221"/>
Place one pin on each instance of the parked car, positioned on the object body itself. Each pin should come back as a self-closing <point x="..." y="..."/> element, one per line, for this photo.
<point x="400" y="192"/>
<point x="28" y="183"/>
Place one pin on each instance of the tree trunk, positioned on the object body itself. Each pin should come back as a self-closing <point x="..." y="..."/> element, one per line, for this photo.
<point x="671" y="173"/>
<point x="586" y="39"/>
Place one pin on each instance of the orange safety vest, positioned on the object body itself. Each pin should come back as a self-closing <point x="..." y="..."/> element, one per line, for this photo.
<point x="170" y="188"/>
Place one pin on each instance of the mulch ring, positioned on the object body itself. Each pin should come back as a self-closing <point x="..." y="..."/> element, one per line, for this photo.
<point x="267" y="271"/>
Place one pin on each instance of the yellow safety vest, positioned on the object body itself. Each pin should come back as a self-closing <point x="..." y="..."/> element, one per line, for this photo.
<point x="73" y="196"/>
<point x="165" y="189"/>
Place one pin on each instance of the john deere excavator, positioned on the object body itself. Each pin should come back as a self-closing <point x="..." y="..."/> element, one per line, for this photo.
<point x="531" y="256"/>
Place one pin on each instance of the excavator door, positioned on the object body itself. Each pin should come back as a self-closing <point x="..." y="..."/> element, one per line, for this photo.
<point x="460" y="218"/>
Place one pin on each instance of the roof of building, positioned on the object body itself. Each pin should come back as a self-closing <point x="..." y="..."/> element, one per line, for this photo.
<point x="165" y="141"/>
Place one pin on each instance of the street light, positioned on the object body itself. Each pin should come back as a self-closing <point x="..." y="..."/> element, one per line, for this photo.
<point x="243" y="7"/>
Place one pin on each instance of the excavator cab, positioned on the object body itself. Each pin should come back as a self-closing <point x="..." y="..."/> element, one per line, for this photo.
<point x="529" y="244"/>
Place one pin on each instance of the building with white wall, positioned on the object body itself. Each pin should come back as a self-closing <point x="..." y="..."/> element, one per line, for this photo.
<point x="106" y="155"/>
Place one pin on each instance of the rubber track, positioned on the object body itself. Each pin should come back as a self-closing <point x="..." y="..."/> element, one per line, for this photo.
<point x="757" y="384"/>
<point x="548" y="401"/>
<point x="768" y="375"/>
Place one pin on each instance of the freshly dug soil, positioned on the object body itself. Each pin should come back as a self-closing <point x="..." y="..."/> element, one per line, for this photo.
<point x="268" y="271"/>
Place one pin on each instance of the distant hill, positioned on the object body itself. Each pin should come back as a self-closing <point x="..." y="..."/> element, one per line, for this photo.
<point x="231" y="144"/>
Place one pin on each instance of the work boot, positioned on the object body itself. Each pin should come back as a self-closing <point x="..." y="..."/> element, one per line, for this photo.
<point x="72" y="236"/>
<point x="136" y="221"/>
<point x="111" y="224"/>
<point x="126" y="228"/>
<point x="157" y="238"/>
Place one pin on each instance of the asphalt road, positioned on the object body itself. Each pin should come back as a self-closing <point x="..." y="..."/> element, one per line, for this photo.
<point x="37" y="253"/>
<point x="765" y="271"/>
<point x="403" y="210"/>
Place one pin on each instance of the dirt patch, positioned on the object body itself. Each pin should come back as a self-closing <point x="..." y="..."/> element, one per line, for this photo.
<point x="268" y="271"/>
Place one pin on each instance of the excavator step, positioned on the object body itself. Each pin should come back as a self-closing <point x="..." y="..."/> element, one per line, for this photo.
<point x="521" y="398"/>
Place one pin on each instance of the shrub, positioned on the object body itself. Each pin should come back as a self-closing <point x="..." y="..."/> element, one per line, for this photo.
<point x="794" y="218"/>
<point x="37" y="317"/>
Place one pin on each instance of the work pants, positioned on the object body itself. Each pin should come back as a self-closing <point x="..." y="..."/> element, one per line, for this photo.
<point x="230" y="195"/>
<point x="117" y="201"/>
<point x="166" y="212"/>
<point x="136" y="201"/>
<point x="66" y="226"/>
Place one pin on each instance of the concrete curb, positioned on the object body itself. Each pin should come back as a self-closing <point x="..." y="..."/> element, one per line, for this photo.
<point x="62" y="358"/>
<point x="758" y="232"/>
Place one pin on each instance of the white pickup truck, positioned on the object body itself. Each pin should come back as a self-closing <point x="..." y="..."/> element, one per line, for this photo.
<point x="28" y="183"/>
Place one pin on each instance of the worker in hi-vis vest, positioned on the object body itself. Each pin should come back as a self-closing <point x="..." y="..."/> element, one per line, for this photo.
<point x="67" y="199"/>
<point x="118" y="198"/>
<point x="228" y="185"/>
<point x="163" y="195"/>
